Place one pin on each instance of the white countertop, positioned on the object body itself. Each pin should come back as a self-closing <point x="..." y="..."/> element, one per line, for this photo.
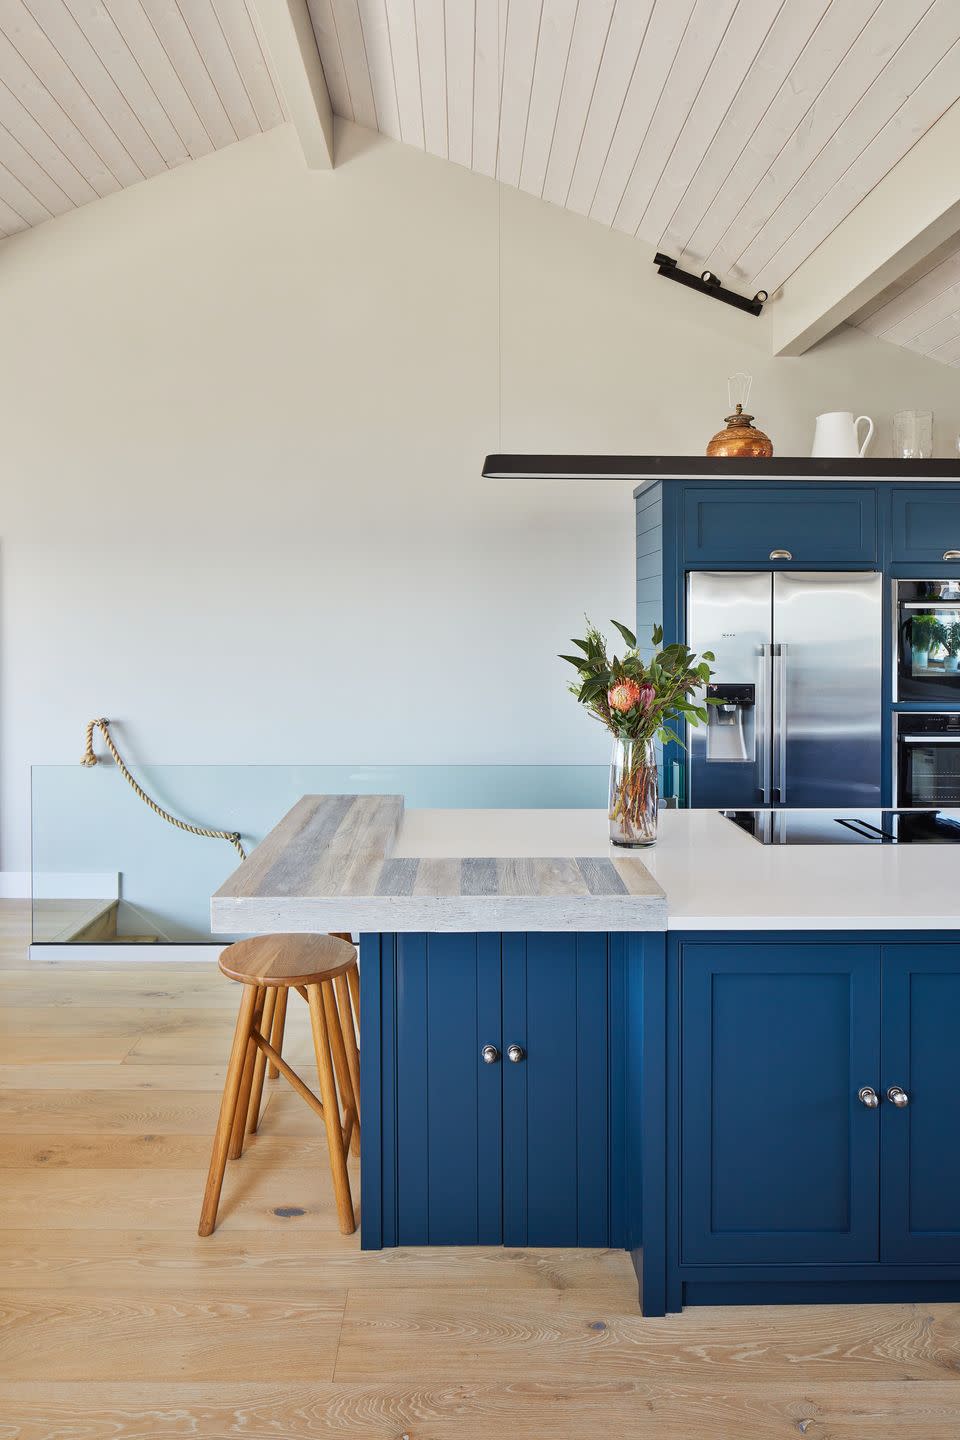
<point x="716" y="876"/>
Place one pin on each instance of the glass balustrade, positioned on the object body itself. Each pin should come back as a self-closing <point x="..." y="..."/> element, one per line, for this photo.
<point x="106" y="870"/>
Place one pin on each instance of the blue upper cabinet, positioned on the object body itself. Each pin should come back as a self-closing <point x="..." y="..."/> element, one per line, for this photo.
<point x="797" y="525"/>
<point x="926" y="524"/>
<point x="921" y="1156"/>
<point x="779" y="1159"/>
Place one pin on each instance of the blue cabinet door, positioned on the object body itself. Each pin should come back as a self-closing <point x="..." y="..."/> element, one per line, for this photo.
<point x="448" y="1136"/>
<point x="921" y="1140"/>
<point x="749" y="524"/>
<point x="926" y="523"/>
<point x="779" y="1159"/>
<point x="556" y="1103"/>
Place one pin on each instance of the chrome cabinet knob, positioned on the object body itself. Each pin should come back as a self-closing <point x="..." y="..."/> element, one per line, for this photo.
<point x="951" y="554"/>
<point x="490" y="1054"/>
<point x="868" y="1096"/>
<point x="788" y="555"/>
<point x="898" y="1096"/>
<point x="516" y="1053"/>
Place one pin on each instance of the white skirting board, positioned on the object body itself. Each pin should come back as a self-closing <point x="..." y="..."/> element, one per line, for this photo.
<point x="116" y="950"/>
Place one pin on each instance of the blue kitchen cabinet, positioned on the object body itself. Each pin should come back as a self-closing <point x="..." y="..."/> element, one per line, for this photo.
<point x="926" y="524"/>
<point x="796" y="525"/>
<point x="459" y="1150"/>
<point x="778" y="1159"/>
<point x="921" y="1153"/>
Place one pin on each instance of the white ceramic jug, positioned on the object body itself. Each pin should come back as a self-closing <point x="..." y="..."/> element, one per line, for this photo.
<point x="837" y="435"/>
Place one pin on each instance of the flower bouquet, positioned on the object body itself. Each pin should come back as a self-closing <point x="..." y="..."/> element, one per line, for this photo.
<point x="637" y="700"/>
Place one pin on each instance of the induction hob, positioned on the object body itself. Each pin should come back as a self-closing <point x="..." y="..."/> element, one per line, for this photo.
<point x="855" y="827"/>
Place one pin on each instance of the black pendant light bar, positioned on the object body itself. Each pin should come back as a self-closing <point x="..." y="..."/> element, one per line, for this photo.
<point x="709" y="284"/>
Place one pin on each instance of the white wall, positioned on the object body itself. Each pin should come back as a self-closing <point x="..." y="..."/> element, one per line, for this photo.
<point x="243" y="410"/>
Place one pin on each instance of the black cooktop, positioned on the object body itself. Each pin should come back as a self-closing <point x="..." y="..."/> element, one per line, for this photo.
<point x="855" y="827"/>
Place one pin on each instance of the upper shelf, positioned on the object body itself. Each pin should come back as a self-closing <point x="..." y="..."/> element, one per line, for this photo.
<point x="709" y="467"/>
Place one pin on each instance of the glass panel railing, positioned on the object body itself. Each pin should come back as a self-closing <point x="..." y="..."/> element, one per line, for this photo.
<point x="107" y="870"/>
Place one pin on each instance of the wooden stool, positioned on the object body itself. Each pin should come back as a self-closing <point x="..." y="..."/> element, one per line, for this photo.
<point x="323" y="969"/>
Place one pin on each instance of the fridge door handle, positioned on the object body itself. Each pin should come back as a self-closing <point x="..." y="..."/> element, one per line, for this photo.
<point x="763" y="725"/>
<point x="780" y="721"/>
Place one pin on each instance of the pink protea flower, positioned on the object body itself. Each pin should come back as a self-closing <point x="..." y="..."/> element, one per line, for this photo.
<point x="624" y="696"/>
<point x="628" y="695"/>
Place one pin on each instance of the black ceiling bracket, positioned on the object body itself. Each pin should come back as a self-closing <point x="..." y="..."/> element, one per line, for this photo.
<point x="709" y="284"/>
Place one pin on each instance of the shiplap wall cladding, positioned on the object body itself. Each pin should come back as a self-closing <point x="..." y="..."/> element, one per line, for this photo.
<point x="734" y="134"/>
<point x="99" y="94"/>
<point x="922" y="310"/>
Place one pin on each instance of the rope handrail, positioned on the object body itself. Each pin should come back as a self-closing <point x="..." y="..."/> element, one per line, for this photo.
<point x="90" y="758"/>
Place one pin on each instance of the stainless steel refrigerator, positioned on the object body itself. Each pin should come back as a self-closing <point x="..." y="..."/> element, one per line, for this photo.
<point x="798" y="673"/>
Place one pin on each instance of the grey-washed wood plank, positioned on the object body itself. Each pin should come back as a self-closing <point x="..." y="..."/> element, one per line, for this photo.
<point x="600" y="876"/>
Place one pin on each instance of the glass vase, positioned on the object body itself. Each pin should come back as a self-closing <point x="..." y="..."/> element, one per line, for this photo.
<point x="633" y="792"/>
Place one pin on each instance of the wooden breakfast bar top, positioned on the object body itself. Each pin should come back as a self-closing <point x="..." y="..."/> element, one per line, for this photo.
<point x="338" y="862"/>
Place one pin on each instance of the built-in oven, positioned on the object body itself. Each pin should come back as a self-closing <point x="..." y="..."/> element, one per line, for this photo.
<point x="928" y="640"/>
<point x="928" y="760"/>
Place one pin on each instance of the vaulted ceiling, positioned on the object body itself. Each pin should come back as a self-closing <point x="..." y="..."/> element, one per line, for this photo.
<point x="743" y="136"/>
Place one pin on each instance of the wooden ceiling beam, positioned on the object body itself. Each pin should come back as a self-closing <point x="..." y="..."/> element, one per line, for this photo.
<point x="288" y="32"/>
<point x="904" y="218"/>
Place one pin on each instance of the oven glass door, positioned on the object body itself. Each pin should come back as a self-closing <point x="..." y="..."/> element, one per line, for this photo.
<point x="929" y="768"/>
<point x="928" y="664"/>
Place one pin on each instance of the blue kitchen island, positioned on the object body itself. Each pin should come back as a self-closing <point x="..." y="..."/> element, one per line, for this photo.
<point x="736" y="1061"/>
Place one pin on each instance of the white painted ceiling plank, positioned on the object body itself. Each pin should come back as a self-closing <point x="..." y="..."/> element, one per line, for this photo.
<point x="925" y="317"/>
<point x="213" y="49"/>
<point x="144" y="44"/>
<point x="433" y="74"/>
<point x="920" y="111"/>
<point x="664" y="34"/>
<point x="24" y="167"/>
<point x="459" y="23"/>
<point x="726" y="71"/>
<point x="834" y="183"/>
<point x="702" y="38"/>
<point x="519" y="62"/>
<point x="90" y="72"/>
<point x="15" y="194"/>
<point x="830" y="43"/>
<point x="56" y="77"/>
<point x="790" y="32"/>
<point x="376" y="40"/>
<point x="346" y="13"/>
<point x="948" y="353"/>
<point x="940" y="333"/>
<point x="106" y="40"/>
<point x="18" y="121"/>
<point x="553" y="52"/>
<point x="331" y="56"/>
<point x="46" y="111"/>
<point x="866" y="59"/>
<point x="909" y="300"/>
<point x="10" y="222"/>
<point x="402" y="24"/>
<point x="628" y="29"/>
<point x="487" y="72"/>
<point x="590" y="31"/>
<point x="946" y="251"/>
<point x="178" y="42"/>
<point x="243" y="42"/>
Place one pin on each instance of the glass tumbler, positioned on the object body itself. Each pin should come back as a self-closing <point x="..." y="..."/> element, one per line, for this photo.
<point x="913" y="434"/>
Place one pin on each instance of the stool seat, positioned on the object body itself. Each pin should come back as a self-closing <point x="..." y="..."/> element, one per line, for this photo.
<point x="287" y="960"/>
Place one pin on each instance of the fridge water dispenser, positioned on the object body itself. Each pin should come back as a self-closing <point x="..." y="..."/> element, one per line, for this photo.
<point x="730" y="724"/>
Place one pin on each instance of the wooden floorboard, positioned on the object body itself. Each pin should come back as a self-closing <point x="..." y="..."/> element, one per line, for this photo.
<point x="118" y="1323"/>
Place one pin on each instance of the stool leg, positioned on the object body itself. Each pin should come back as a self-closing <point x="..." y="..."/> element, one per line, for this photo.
<point x="351" y="1117"/>
<point x="228" y="1106"/>
<point x="353" y="1055"/>
<point x="260" y="1063"/>
<point x="246" y="1083"/>
<point x="331" y="1114"/>
<point x="279" y="1025"/>
<point x="353" y="981"/>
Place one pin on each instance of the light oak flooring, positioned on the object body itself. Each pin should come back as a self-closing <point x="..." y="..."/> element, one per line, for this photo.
<point x="117" y="1322"/>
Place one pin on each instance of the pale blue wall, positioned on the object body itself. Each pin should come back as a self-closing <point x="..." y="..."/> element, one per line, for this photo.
<point x="89" y="821"/>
